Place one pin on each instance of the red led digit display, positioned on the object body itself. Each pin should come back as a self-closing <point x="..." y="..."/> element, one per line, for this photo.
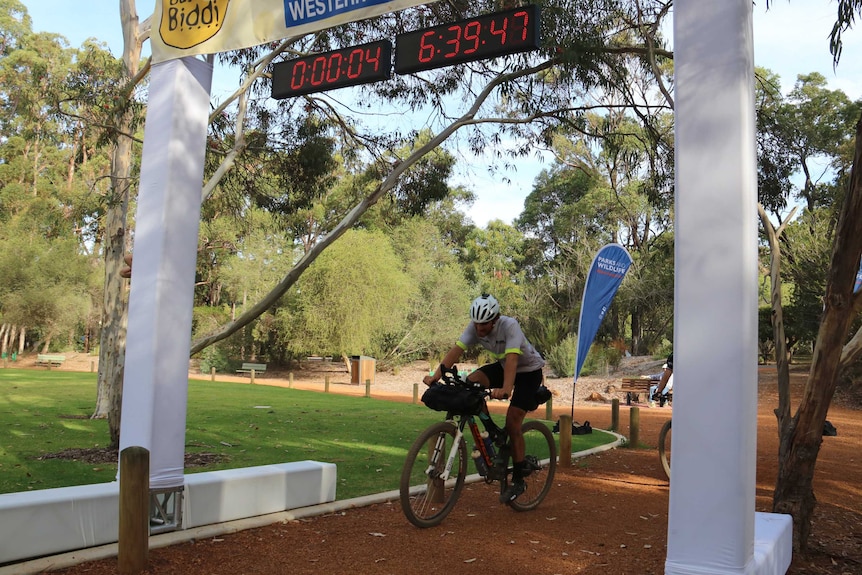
<point x="330" y="70"/>
<point x="486" y="36"/>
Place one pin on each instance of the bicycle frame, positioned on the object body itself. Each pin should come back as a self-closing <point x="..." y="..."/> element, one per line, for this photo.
<point x="463" y="421"/>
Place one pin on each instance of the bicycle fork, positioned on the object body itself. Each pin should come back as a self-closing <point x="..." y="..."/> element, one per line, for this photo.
<point x="438" y="452"/>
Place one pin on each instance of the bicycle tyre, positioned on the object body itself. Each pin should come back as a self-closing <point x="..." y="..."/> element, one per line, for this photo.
<point x="539" y="443"/>
<point x="664" y="440"/>
<point x="427" y="501"/>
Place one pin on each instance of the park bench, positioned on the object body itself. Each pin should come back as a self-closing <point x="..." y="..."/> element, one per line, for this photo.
<point x="252" y="368"/>
<point x="633" y="387"/>
<point x="49" y="360"/>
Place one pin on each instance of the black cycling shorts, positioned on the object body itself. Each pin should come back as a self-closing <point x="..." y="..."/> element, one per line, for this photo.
<point x="526" y="384"/>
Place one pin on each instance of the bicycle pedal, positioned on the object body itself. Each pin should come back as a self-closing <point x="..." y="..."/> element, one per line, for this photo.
<point x="512" y="492"/>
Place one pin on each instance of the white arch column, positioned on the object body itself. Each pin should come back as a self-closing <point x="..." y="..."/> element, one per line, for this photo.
<point x="162" y="288"/>
<point x="712" y="526"/>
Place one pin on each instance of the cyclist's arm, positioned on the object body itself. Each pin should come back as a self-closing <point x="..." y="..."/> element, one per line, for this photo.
<point x="510" y="369"/>
<point x="449" y="360"/>
<point x="663" y="382"/>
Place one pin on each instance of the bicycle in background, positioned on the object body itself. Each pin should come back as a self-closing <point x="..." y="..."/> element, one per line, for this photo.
<point x="664" y="446"/>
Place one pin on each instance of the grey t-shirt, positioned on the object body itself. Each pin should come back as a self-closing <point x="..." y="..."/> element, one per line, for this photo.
<point x="506" y="337"/>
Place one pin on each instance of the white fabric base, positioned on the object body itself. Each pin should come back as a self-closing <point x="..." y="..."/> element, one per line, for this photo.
<point x="773" y="550"/>
<point x="51" y="521"/>
<point x="230" y="494"/>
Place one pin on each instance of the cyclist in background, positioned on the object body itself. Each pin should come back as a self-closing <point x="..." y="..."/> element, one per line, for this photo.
<point x="516" y="374"/>
<point x="659" y="391"/>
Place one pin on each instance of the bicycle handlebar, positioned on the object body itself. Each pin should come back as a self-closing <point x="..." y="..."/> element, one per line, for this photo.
<point x="450" y="376"/>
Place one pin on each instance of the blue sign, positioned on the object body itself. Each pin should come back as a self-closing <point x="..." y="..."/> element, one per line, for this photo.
<point x="607" y="271"/>
<point x="298" y="12"/>
<point x="858" y="283"/>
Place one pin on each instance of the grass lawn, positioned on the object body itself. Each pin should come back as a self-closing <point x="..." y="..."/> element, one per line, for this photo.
<point x="47" y="412"/>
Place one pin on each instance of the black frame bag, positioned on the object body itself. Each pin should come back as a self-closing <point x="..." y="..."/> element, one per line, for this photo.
<point x="453" y="398"/>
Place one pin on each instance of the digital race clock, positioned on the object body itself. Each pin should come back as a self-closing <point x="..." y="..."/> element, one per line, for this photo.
<point x="486" y="36"/>
<point x="329" y="70"/>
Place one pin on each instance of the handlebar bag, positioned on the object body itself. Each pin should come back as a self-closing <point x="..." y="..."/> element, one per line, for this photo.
<point x="453" y="398"/>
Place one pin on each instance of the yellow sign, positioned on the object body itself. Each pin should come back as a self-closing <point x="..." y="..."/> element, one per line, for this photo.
<point x="194" y="27"/>
<point x="187" y="23"/>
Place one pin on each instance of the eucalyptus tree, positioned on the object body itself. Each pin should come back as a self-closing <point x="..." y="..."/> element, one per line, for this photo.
<point x="349" y="300"/>
<point x="608" y="184"/>
<point x="800" y="434"/>
<point x="43" y="207"/>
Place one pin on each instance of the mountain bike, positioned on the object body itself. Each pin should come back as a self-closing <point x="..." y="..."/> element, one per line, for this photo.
<point x="435" y="470"/>
<point x="664" y="446"/>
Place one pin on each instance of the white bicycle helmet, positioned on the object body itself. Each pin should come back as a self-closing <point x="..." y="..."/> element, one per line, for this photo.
<point x="484" y="309"/>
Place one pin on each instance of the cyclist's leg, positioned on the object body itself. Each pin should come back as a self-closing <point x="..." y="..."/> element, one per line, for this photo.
<point x="514" y="420"/>
<point x="488" y="376"/>
<point x="523" y="400"/>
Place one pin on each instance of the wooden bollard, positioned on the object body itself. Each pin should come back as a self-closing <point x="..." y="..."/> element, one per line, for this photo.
<point x="92" y="366"/>
<point x="290" y="379"/>
<point x="252" y="377"/>
<point x="634" y="427"/>
<point x="367" y="388"/>
<point x="212" y="374"/>
<point x="549" y="409"/>
<point x="326" y="384"/>
<point x="415" y="393"/>
<point x="615" y="414"/>
<point x="134" y="529"/>
<point x="565" y="440"/>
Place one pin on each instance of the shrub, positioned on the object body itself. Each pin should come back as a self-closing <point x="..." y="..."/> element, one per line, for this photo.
<point x="561" y="357"/>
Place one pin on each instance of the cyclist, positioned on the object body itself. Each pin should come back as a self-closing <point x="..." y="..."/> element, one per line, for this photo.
<point x="517" y="374"/>
<point x="659" y="391"/>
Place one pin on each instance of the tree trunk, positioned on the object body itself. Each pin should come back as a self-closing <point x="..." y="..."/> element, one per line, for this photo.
<point x="22" y="333"/>
<point x="782" y="356"/>
<point x="800" y="442"/>
<point x="114" y="313"/>
<point x="636" y="331"/>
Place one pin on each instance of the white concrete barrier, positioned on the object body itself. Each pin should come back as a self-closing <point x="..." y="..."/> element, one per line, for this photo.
<point x="50" y="521"/>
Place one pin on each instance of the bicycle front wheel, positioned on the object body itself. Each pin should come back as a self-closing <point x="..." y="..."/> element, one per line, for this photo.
<point x="426" y="497"/>
<point x="540" y="449"/>
<point x="664" y="447"/>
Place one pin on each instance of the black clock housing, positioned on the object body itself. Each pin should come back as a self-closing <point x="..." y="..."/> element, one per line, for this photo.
<point x="349" y="66"/>
<point x="478" y="38"/>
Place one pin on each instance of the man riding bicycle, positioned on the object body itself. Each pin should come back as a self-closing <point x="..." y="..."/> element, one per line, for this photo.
<point x="517" y="374"/>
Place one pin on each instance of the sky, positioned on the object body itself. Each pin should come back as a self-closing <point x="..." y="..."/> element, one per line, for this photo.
<point x="791" y="38"/>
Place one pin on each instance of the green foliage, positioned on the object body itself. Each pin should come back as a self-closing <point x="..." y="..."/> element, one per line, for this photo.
<point x="349" y="299"/>
<point x="561" y="357"/>
<point x="601" y="360"/>
<point x="45" y="284"/>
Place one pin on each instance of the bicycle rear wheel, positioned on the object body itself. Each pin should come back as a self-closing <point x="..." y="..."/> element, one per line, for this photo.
<point x="664" y="447"/>
<point x="426" y="498"/>
<point x="541" y="449"/>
